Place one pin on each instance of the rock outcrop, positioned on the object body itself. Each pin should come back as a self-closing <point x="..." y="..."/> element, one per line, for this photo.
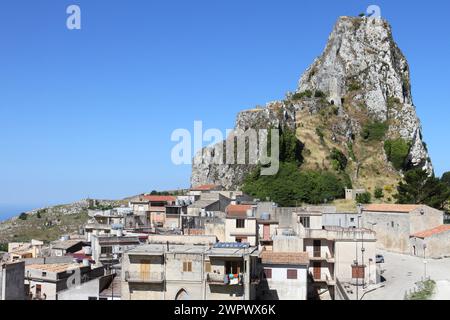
<point x="361" y="67"/>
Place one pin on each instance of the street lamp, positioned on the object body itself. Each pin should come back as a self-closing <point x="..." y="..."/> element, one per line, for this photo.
<point x="424" y="262"/>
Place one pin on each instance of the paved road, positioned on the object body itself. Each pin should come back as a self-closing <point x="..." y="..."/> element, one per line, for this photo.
<point x="403" y="271"/>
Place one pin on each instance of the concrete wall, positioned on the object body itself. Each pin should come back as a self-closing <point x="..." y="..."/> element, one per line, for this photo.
<point x="12" y="281"/>
<point x="424" y="220"/>
<point x="217" y="229"/>
<point x="84" y="291"/>
<point x="344" y="220"/>
<point x="281" y="288"/>
<point x="287" y="244"/>
<point x="349" y="251"/>
<point x="392" y="230"/>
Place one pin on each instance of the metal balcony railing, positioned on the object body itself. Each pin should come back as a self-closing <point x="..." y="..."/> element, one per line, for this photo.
<point x="225" y="279"/>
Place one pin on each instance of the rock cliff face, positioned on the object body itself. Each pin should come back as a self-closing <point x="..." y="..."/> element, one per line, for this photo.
<point x="363" y="76"/>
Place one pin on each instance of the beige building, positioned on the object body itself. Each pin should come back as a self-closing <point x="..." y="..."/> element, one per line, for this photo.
<point x="190" y="272"/>
<point x="394" y="224"/>
<point x="25" y="250"/>
<point x="433" y="243"/>
<point x="335" y="253"/>
<point x="241" y="224"/>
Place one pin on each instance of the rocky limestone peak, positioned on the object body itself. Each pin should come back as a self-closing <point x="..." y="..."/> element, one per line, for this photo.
<point x="361" y="67"/>
<point x="362" y="56"/>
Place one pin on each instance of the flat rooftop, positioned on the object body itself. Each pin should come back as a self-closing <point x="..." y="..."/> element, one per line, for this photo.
<point x="54" y="267"/>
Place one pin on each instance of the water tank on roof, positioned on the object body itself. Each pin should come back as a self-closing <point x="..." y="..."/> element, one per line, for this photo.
<point x="87" y="250"/>
<point x="86" y="263"/>
<point x="65" y="238"/>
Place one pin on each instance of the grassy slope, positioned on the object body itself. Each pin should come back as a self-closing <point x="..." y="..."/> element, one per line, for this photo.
<point x="369" y="171"/>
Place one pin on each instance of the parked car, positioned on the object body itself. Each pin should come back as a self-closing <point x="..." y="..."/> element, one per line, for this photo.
<point x="379" y="258"/>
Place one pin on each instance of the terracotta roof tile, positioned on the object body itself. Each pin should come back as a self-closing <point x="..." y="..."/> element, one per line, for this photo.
<point x="205" y="187"/>
<point x="291" y="258"/>
<point x="238" y="210"/>
<point x="432" y="232"/>
<point x="404" y="208"/>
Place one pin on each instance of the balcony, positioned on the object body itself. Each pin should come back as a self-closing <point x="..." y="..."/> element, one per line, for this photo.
<point x="144" y="277"/>
<point x="224" y="279"/>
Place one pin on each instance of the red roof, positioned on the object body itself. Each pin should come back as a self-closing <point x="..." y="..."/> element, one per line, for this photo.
<point x="205" y="187"/>
<point x="432" y="232"/>
<point x="238" y="210"/>
<point x="160" y="198"/>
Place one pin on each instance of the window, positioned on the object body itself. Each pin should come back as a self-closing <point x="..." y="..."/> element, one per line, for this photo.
<point x="207" y="266"/>
<point x="352" y="219"/>
<point x="268" y="273"/>
<point x="106" y="250"/>
<point x="292" y="274"/>
<point x="187" y="266"/>
<point x="240" y="223"/>
<point x="44" y="274"/>
<point x="392" y="224"/>
<point x="305" y="221"/>
<point x="234" y="267"/>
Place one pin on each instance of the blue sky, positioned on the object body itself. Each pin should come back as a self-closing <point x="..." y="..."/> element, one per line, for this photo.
<point x="90" y="112"/>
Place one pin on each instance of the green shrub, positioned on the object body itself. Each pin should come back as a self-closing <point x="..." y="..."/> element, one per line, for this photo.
<point x="379" y="193"/>
<point x="339" y="160"/>
<point x="320" y="134"/>
<point x="397" y="152"/>
<point x="374" y="131"/>
<point x="319" y="94"/>
<point x="354" y="86"/>
<point x="425" y="291"/>
<point x="301" y="95"/>
<point x="364" y="198"/>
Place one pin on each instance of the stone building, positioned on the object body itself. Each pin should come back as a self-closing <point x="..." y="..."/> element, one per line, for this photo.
<point x="394" y="224"/>
<point x="433" y="243"/>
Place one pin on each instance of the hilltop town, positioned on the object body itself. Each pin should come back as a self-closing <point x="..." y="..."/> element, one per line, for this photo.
<point x="355" y="211"/>
<point x="216" y="244"/>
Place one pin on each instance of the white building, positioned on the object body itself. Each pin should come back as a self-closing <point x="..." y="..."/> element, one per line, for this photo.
<point x="286" y="275"/>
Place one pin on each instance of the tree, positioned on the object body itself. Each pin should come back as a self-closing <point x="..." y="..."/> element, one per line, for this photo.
<point x="339" y="160"/>
<point x="379" y="193"/>
<point x="364" y="198"/>
<point x="290" y="147"/>
<point x="420" y="188"/>
<point x="23" y="216"/>
<point x="291" y="187"/>
<point x="446" y="178"/>
<point x="397" y="152"/>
